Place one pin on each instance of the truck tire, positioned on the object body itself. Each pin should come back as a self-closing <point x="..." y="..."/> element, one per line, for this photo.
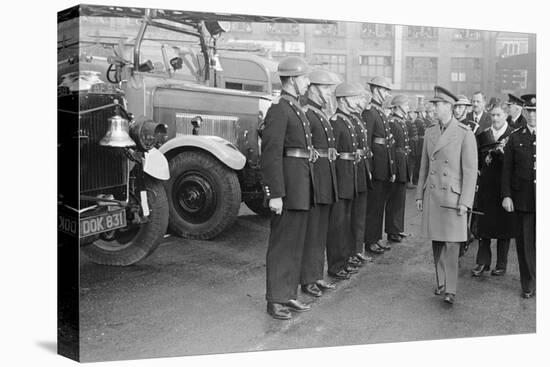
<point x="204" y="195"/>
<point x="257" y="206"/>
<point x="129" y="245"/>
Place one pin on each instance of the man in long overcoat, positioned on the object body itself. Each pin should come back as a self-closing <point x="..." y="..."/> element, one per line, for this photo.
<point x="496" y="222"/>
<point x="448" y="172"/>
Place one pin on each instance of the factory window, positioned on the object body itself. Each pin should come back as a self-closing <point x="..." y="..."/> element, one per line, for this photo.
<point x="330" y="62"/>
<point x="417" y="32"/>
<point x="373" y="30"/>
<point x="466" y="74"/>
<point x="421" y="73"/>
<point x="372" y="66"/>
<point x="283" y="28"/>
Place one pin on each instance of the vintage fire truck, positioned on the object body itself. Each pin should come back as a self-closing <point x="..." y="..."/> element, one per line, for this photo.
<point x="173" y="95"/>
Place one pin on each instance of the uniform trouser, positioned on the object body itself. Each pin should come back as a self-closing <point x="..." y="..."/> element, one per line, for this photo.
<point x="416" y="169"/>
<point x="446" y="264"/>
<point x="313" y="260"/>
<point x="484" y="252"/>
<point x="284" y="255"/>
<point x="340" y="239"/>
<point x="395" y="208"/>
<point x="526" y="249"/>
<point x="378" y="196"/>
<point x="358" y="221"/>
<point x="412" y="165"/>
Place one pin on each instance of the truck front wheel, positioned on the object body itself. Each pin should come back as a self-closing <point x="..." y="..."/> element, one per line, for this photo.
<point x="204" y="195"/>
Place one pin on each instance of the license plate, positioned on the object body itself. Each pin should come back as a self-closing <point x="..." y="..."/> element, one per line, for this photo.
<point x="102" y="223"/>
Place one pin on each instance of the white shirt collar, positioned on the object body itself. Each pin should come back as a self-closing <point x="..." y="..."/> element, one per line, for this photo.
<point x="498" y="133"/>
<point x="531" y="129"/>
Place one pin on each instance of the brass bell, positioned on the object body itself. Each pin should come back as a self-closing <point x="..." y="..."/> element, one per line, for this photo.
<point x="117" y="136"/>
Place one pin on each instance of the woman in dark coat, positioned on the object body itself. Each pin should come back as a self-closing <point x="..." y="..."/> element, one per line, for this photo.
<point x="496" y="223"/>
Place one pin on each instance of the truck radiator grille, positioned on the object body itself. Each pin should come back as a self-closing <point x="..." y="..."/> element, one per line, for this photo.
<point x="216" y="125"/>
<point x="100" y="167"/>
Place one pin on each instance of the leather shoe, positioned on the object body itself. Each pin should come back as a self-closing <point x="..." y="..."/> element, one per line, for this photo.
<point x="479" y="269"/>
<point x="403" y="234"/>
<point x="363" y="258"/>
<point x="528" y="294"/>
<point x="278" y="311"/>
<point x="375" y="249"/>
<point x="321" y="284"/>
<point x="342" y="275"/>
<point x="355" y="262"/>
<point x="351" y="269"/>
<point x="439" y="290"/>
<point x="295" y="305"/>
<point x="498" y="272"/>
<point x="312" y="290"/>
<point x="384" y="246"/>
<point x="449" y="298"/>
<point x="394" y="238"/>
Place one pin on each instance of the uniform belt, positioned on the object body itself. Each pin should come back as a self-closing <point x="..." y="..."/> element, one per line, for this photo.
<point x="379" y="141"/>
<point x="420" y="136"/>
<point x="347" y="156"/>
<point x="402" y="150"/>
<point x="330" y="153"/>
<point x="310" y="154"/>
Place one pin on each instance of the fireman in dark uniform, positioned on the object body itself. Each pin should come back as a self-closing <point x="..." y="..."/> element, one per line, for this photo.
<point x="413" y="141"/>
<point x="364" y="177"/>
<point x="380" y="140"/>
<point x="341" y="241"/>
<point x="395" y="208"/>
<point x="287" y="173"/>
<point x="518" y="192"/>
<point x="326" y="192"/>
<point x="515" y="117"/>
<point x="421" y="123"/>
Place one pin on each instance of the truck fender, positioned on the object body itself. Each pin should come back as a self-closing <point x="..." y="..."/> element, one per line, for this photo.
<point x="222" y="149"/>
<point x="155" y="164"/>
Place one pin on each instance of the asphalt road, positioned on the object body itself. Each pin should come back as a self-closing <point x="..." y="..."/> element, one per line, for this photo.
<point x="203" y="297"/>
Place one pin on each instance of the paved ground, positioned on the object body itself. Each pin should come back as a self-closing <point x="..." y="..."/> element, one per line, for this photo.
<point x="204" y="297"/>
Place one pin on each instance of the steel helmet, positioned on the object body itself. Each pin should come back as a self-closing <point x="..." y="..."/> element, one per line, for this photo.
<point x="322" y="77"/>
<point x="292" y="66"/>
<point x="347" y="90"/>
<point x="380" y="81"/>
<point x="399" y="100"/>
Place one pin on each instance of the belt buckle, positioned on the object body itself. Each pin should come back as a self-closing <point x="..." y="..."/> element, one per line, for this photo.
<point x="313" y="154"/>
<point x="332" y="154"/>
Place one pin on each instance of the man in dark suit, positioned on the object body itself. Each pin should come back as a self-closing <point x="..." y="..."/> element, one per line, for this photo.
<point x="324" y="182"/>
<point x="395" y="207"/>
<point x="496" y="223"/>
<point x="478" y="115"/>
<point x="341" y="240"/>
<point x="380" y="139"/>
<point x="515" y="118"/>
<point x="287" y="174"/>
<point x="519" y="193"/>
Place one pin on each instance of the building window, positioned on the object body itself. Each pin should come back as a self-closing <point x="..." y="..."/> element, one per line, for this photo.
<point x="466" y="74"/>
<point x="331" y="30"/>
<point x="242" y="27"/>
<point x="467" y="34"/>
<point x="373" y="30"/>
<point x="421" y="73"/>
<point x="510" y="48"/>
<point x="417" y="32"/>
<point x="372" y="66"/>
<point x="334" y="63"/>
<point x="283" y="28"/>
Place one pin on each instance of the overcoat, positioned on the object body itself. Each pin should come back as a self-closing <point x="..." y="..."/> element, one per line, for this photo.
<point x="519" y="177"/>
<point x="448" y="172"/>
<point x="346" y="142"/>
<point x="383" y="166"/>
<point x="496" y="223"/>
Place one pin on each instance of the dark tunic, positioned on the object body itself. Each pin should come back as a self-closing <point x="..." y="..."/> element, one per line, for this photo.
<point x="519" y="123"/>
<point x="496" y="223"/>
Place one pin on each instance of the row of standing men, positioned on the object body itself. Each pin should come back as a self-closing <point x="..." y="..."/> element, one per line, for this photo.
<point x="329" y="180"/>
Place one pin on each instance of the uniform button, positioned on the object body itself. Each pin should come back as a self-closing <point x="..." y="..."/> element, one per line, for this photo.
<point x="391" y="161"/>
<point x="444" y="188"/>
<point x="444" y="173"/>
<point x="432" y="186"/>
<point x="446" y="161"/>
<point x="534" y="181"/>
<point x="433" y="172"/>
